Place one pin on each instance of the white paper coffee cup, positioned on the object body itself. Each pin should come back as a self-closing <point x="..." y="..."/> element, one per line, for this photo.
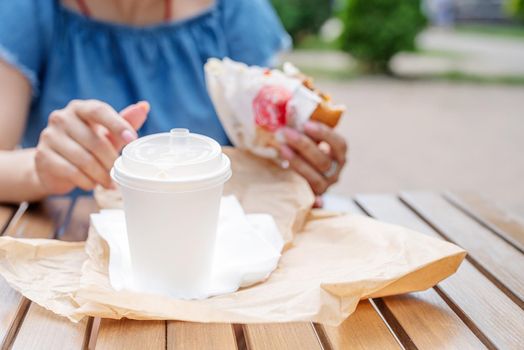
<point x="171" y="186"/>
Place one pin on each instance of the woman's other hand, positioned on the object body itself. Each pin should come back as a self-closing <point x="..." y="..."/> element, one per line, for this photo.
<point x="319" y="154"/>
<point x="81" y="142"/>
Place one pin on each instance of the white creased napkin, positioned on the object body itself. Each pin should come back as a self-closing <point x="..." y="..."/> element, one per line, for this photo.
<point x="247" y="248"/>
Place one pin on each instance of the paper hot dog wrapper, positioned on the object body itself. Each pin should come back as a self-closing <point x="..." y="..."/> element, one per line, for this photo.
<point x="254" y="103"/>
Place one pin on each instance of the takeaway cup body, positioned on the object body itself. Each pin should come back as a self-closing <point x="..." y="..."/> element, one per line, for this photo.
<point x="171" y="186"/>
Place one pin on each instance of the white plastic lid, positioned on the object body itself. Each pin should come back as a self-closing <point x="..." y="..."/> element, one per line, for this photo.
<point x="178" y="160"/>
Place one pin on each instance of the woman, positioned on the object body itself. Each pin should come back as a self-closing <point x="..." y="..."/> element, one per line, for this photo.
<point x="67" y="67"/>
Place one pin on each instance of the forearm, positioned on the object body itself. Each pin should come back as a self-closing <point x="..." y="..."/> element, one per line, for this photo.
<point x="18" y="178"/>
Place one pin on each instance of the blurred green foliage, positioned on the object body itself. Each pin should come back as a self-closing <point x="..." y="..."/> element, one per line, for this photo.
<point x="375" y="30"/>
<point x="302" y="17"/>
<point x="516" y="9"/>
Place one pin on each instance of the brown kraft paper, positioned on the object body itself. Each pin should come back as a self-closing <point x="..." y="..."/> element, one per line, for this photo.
<point x="330" y="262"/>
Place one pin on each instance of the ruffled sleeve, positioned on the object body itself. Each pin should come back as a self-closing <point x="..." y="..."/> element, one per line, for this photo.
<point x="25" y="29"/>
<point x="253" y="30"/>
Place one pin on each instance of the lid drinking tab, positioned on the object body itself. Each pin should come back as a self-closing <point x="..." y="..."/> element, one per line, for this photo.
<point x="176" y="155"/>
<point x="179" y="138"/>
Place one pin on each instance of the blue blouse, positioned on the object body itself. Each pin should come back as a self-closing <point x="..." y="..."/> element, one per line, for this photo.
<point x="66" y="56"/>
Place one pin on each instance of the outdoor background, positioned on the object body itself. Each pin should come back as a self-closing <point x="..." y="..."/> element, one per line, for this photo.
<point x="434" y="90"/>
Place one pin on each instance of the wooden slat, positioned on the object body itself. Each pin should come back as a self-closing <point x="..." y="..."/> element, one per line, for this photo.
<point x="424" y="316"/>
<point x="13" y="304"/>
<point x="6" y="213"/>
<point x="131" y="334"/>
<point x="196" y="336"/>
<point x="428" y="321"/>
<point x="12" y="309"/>
<point x="45" y="328"/>
<point x="354" y="332"/>
<point x="42" y="329"/>
<point x="499" y="259"/>
<point x="276" y="336"/>
<point x="78" y="225"/>
<point x="340" y="203"/>
<point x="40" y="221"/>
<point x="8" y="297"/>
<point x="493" y="218"/>
<point x="485" y="309"/>
<point x="364" y="329"/>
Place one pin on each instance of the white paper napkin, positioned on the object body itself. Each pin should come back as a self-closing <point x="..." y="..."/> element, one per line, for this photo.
<point x="247" y="248"/>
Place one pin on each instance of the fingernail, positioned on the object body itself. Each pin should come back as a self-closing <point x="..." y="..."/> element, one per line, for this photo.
<point x="310" y="126"/>
<point x="128" y="136"/>
<point x="291" y="134"/>
<point x="145" y="106"/>
<point x="319" y="202"/>
<point x="286" y="153"/>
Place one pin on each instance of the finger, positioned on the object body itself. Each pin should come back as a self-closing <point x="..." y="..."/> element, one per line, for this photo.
<point x="340" y="166"/>
<point x="80" y="158"/>
<point x="136" y="114"/>
<point x="320" y="132"/>
<point x="319" y="202"/>
<point x="308" y="149"/>
<point x="97" y="112"/>
<point x="96" y="144"/>
<point x="317" y="182"/>
<point x="325" y="147"/>
<point x="65" y="171"/>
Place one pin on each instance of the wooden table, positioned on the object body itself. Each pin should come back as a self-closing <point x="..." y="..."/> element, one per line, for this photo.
<point x="481" y="306"/>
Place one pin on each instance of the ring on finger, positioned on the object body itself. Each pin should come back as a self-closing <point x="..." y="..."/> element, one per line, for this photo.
<point x="332" y="169"/>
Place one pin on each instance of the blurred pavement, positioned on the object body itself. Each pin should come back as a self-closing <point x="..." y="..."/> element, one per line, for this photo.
<point x="468" y="53"/>
<point x="433" y="136"/>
